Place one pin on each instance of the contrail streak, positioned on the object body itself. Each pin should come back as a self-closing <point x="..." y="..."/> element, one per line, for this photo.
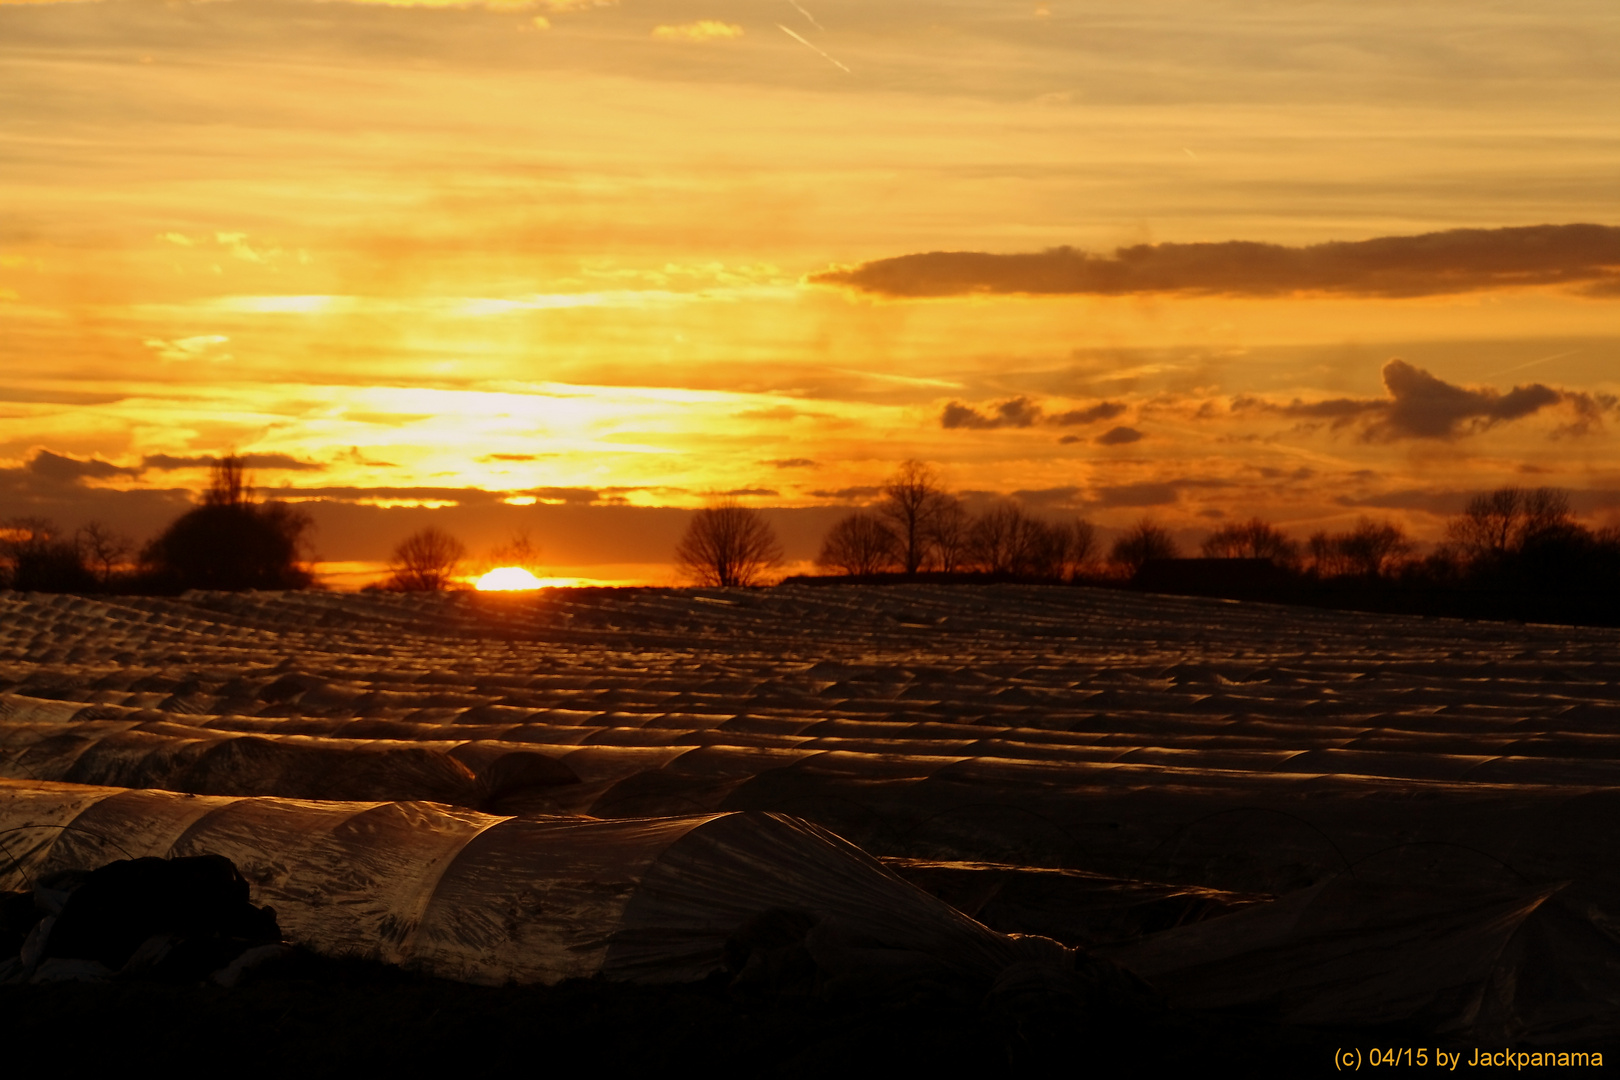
<point x="807" y="15"/>
<point x="1532" y="363"/>
<point x="813" y="49"/>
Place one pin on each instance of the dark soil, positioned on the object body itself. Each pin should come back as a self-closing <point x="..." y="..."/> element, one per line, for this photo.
<point x="315" y="1017"/>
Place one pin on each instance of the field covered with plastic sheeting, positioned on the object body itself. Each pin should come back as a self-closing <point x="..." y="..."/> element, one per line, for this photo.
<point x="1318" y="818"/>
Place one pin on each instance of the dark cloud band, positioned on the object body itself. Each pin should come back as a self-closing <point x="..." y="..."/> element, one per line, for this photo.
<point x="1020" y="412"/>
<point x="277" y="462"/>
<point x="1585" y="257"/>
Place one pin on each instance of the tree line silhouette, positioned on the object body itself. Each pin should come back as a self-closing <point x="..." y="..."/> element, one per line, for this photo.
<point x="918" y="527"/>
<point x="230" y="541"/>
<point x="1511" y="553"/>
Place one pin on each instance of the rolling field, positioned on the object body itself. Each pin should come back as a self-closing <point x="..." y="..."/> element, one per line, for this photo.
<point x="1315" y="819"/>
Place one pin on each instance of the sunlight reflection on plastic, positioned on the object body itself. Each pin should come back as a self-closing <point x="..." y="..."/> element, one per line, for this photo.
<point x="508" y="579"/>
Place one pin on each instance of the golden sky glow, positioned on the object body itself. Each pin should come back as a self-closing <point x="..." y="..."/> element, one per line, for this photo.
<point x="524" y="262"/>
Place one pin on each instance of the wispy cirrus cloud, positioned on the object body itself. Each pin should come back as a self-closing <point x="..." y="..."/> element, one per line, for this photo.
<point x="197" y="347"/>
<point x="700" y="31"/>
<point x="1583" y="257"/>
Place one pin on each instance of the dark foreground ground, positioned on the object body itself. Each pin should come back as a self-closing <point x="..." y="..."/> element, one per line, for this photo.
<point x="316" y="1018"/>
<point x="1169" y="783"/>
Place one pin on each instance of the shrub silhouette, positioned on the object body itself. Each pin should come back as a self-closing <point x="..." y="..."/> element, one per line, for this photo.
<point x="231" y="542"/>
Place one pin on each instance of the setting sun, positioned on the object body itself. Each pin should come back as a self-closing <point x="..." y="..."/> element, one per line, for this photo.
<point x="508" y="579"/>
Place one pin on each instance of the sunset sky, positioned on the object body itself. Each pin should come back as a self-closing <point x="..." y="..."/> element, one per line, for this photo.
<point x="574" y="266"/>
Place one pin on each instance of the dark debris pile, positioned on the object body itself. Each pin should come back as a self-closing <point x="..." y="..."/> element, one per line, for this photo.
<point x="173" y="920"/>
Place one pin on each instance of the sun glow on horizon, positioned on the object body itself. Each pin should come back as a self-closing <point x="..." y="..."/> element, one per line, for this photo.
<point x="508" y="579"/>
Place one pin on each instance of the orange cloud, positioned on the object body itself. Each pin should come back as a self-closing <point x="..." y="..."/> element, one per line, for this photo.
<point x="1421" y="406"/>
<point x="1017" y="412"/>
<point x="1119" y="436"/>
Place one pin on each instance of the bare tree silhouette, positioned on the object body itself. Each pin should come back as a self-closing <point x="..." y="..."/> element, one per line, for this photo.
<point x="1082" y="554"/>
<point x="1007" y="540"/>
<point x="1252" y="539"/>
<point x="34" y="557"/>
<point x="1368" y="550"/>
<point x="728" y="544"/>
<point x="1504" y="521"/>
<point x="993" y="538"/>
<point x="1144" y="541"/>
<point x="911" y="502"/>
<point x="425" y="561"/>
<point x="860" y="544"/>
<point x="228" y="483"/>
<point x="521" y="550"/>
<point x="1372" y="545"/>
<point x="919" y="526"/>
<point x="949" y="532"/>
<point x="103" y="551"/>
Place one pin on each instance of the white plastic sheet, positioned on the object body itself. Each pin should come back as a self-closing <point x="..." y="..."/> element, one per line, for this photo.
<point x="489" y="899"/>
